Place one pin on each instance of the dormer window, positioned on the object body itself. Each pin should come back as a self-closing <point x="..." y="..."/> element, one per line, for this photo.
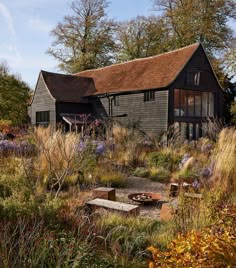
<point x="149" y="95"/>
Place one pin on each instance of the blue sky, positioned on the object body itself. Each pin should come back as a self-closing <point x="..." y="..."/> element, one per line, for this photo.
<point x="25" y="26"/>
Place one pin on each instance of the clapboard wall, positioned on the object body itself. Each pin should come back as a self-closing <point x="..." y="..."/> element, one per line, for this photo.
<point x="42" y="101"/>
<point x="150" y="117"/>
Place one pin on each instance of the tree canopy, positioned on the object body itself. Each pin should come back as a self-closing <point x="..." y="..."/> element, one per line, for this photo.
<point x="14" y="95"/>
<point x="84" y="40"/>
<point x="141" y="37"/>
<point x="88" y="39"/>
<point x="191" y="21"/>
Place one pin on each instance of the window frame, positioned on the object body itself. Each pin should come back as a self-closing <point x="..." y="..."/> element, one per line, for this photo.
<point x="42" y="118"/>
<point x="116" y="101"/>
<point x="181" y="104"/>
<point x="149" y="95"/>
<point x="193" y="77"/>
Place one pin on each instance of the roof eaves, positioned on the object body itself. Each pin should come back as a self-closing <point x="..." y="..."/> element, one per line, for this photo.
<point x="124" y="92"/>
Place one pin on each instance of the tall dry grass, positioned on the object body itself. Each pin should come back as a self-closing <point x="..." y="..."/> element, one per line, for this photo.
<point x="58" y="156"/>
<point x="225" y="161"/>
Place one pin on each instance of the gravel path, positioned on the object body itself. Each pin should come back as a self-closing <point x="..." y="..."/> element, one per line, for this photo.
<point x="139" y="185"/>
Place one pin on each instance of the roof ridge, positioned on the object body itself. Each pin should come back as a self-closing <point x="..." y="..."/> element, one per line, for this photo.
<point x="61" y="74"/>
<point x="138" y="59"/>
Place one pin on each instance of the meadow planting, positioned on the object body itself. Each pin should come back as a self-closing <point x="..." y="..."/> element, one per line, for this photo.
<point x="47" y="176"/>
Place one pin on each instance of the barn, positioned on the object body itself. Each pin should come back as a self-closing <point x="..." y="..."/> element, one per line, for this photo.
<point x="177" y="88"/>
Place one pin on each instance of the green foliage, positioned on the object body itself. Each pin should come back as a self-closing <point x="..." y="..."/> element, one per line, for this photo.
<point x="141" y="172"/>
<point x="139" y="37"/>
<point x="233" y="112"/>
<point x="198" y="20"/>
<point x="5" y="191"/>
<point x="166" y="159"/>
<point x="14" y="94"/>
<point x="160" y="159"/>
<point x="160" y="175"/>
<point x="186" y="175"/>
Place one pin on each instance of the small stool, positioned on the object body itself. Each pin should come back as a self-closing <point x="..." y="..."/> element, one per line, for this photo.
<point x="105" y="193"/>
<point x="174" y="189"/>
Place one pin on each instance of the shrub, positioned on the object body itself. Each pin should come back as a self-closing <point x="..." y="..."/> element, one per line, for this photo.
<point x="164" y="159"/>
<point x="5" y="125"/>
<point x="5" y="191"/>
<point x="159" y="174"/>
<point x="141" y="172"/>
<point x="160" y="159"/>
<point x="233" y="113"/>
<point x="213" y="247"/>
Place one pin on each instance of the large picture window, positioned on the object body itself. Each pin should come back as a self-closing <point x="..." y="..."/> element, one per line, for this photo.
<point x="42" y="118"/>
<point x="190" y="103"/>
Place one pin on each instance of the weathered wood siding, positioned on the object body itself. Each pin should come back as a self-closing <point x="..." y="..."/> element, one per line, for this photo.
<point x="43" y="101"/>
<point x="150" y="117"/>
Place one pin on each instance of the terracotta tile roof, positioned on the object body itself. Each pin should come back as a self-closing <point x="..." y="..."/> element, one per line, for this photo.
<point x="140" y="74"/>
<point x="68" y="88"/>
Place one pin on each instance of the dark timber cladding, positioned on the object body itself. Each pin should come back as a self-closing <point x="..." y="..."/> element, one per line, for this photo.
<point x="207" y="83"/>
<point x="150" y="117"/>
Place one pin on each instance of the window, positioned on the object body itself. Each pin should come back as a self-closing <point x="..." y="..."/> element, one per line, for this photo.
<point x="196" y="79"/>
<point x="149" y="96"/>
<point x="42" y="118"/>
<point x="188" y="131"/>
<point x="198" y="103"/>
<point x="116" y="101"/>
<point x="210" y="104"/>
<point x="193" y="78"/>
<point x="190" y="103"/>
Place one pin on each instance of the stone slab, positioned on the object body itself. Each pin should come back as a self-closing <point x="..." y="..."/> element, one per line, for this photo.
<point x="115" y="206"/>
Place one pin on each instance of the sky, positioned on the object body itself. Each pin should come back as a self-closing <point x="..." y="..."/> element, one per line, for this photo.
<point x="25" y="31"/>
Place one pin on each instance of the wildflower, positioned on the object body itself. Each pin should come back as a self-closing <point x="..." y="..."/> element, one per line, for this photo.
<point x="100" y="148"/>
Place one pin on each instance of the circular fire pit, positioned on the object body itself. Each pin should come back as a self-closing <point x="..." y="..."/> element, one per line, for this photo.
<point x="145" y="198"/>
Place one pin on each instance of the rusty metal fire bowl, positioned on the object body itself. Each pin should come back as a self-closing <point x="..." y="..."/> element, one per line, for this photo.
<point x="145" y="198"/>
